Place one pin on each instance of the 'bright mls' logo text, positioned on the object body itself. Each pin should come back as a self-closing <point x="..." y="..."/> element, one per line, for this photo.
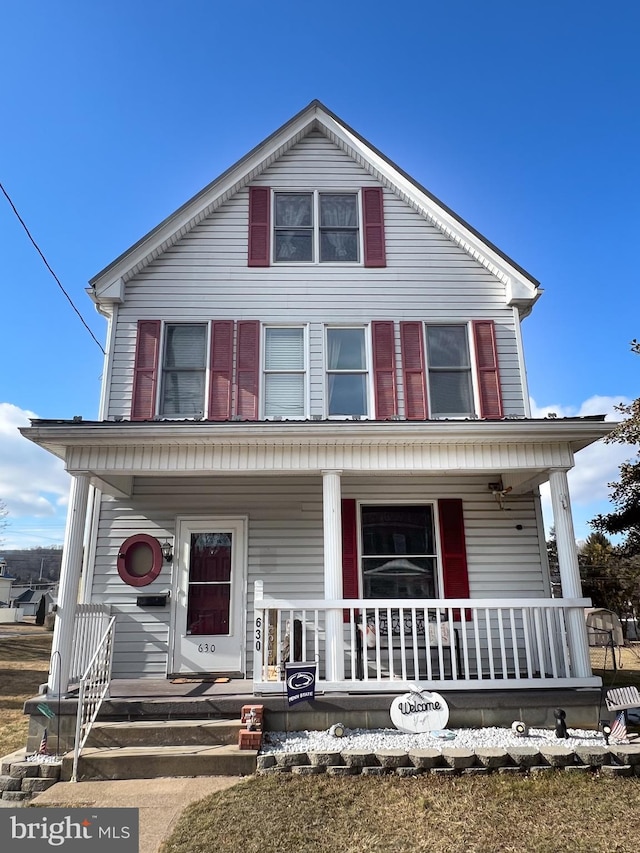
<point x="108" y="830"/>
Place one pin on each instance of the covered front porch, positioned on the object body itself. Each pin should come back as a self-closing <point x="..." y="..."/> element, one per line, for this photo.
<point x="478" y="642"/>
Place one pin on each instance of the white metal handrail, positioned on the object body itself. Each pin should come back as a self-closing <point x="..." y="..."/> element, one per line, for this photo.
<point x="94" y="685"/>
<point x="386" y="644"/>
<point x="90" y="623"/>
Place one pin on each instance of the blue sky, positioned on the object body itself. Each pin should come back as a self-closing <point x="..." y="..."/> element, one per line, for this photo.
<point x="524" y="117"/>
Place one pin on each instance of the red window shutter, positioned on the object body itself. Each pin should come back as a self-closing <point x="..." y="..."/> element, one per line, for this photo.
<point x="145" y="370"/>
<point x="259" y="230"/>
<point x="247" y="366"/>
<point x="221" y="370"/>
<point x="484" y="335"/>
<point x="454" y="551"/>
<point x="413" y="375"/>
<point x="384" y="369"/>
<point x="349" y="552"/>
<point x="373" y="225"/>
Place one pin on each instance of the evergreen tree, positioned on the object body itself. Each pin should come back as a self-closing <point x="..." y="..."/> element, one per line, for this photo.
<point x="625" y="493"/>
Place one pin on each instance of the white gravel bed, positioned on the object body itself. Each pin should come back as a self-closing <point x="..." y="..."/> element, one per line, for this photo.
<point x="374" y="739"/>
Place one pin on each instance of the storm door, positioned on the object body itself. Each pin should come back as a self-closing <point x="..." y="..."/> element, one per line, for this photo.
<point x="210" y="592"/>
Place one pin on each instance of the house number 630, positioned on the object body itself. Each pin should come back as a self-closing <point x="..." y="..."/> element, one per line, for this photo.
<point x="258" y="638"/>
<point x="206" y="647"/>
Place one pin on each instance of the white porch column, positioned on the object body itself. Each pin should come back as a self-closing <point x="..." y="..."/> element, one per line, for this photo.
<point x="569" y="571"/>
<point x="332" y="526"/>
<point x="70" y="571"/>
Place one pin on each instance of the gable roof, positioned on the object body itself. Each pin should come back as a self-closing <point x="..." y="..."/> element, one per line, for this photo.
<point x="108" y="285"/>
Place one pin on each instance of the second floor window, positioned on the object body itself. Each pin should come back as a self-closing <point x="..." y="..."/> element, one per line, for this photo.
<point x="184" y="370"/>
<point x="316" y="226"/>
<point x="449" y="372"/>
<point x="347" y="376"/>
<point x="284" y="372"/>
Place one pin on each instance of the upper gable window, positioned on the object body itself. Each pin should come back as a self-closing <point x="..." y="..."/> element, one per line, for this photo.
<point x="314" y="226"/>
<point x="449" y="371"/>
<point x="184" y="370"/>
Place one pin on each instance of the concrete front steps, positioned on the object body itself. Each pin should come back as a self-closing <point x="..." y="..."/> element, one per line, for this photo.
<point x="145" y="749"/>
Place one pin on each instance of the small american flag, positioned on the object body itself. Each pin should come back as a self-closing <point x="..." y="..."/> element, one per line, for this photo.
<point x="43" y="749"/>
<point x="619" y="728"/>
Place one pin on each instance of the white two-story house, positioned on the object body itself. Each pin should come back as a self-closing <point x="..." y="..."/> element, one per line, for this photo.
<point x="315" y="441"/>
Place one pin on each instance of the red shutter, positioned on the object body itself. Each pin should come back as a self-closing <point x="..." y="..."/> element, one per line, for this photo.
<point x="373" y="224"/>
<point x="384" y="369"/>
<point x="484" y="334"/>
<point x="221" y="370"/>
<point x="259" y="230"/>
<point x="247" y="366"/>
<point x="145" y="370"/>
<point x="413" y="376"/>
<point x="349" y="552"/>
<point x="454" y="551"/>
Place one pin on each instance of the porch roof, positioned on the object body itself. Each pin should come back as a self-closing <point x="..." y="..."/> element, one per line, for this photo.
<point x="521" y="450"/>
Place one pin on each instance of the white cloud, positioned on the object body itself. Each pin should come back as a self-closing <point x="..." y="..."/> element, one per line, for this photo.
<point x="596" y="405"/>
<point x="595" y="467"/>
<point x="33" y="483"/>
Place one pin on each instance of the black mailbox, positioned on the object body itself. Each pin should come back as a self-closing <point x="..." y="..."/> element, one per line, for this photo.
<point x="152" y="600"/>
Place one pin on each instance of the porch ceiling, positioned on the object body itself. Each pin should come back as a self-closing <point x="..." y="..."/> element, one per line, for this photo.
<point x="113" y="453"/>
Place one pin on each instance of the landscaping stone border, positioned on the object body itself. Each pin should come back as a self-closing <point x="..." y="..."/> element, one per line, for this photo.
<point x="21" y="779"/>
<point x="615" y="760"/>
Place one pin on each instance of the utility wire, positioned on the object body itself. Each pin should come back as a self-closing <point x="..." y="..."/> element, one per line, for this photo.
<point x="46" y="263"/>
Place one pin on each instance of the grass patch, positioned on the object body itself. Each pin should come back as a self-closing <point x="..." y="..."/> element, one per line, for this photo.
<point x="24" y="666"/>
<point x="538" y="814"/>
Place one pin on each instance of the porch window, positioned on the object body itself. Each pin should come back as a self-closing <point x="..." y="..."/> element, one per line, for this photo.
<point x="284" y="372"/>
<point x="312" y="226"/>
<point x="398" y="552"/>
<point x="347" y="375"/>
<point x="449" y="372"/>
<point x="184" y="370"/>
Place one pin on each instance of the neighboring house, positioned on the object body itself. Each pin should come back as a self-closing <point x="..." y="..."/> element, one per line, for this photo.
<point x="6" y="584"/>
<point x="29" y="601"/>
<point x="315" y="430"/>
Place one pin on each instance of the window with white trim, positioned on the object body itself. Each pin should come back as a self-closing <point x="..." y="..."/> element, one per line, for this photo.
<point x="399" y="557"/>
<point x="347" y="374"/>
<point x="450" y="381"/>
<point x="311" y="227"/>
<point x="184" y="367"/>
<point x="284" y="372"/>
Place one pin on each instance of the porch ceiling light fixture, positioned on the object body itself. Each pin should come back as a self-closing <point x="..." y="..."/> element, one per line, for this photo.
<point x="167" y="551"/>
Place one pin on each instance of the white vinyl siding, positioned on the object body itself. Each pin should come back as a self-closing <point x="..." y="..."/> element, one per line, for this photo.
<point x="285" y="543"/>
<point x="205" y="275"/>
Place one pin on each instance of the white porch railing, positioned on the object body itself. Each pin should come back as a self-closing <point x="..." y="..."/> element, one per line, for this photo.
<point x="94" y="685"/>
<point x="91" y="621"/>
<point x="445" y="643"/>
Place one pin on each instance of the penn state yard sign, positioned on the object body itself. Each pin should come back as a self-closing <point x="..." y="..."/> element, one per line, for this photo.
<point x="419" y="711"/>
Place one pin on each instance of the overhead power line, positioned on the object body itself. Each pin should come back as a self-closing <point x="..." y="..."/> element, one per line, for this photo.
<point x="46" y="263"/>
